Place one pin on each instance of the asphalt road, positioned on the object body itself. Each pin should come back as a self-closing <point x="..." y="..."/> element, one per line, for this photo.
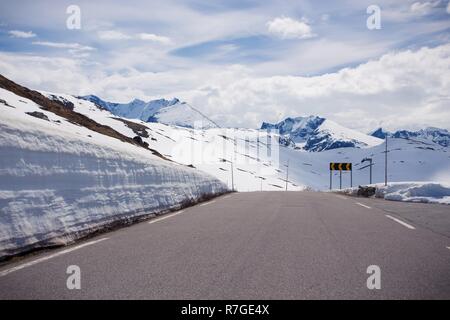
<point x="262" y="245"/>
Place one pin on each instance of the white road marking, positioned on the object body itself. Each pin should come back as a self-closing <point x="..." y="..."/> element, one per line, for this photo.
<point x="448" y="248"/>
<point x="363" y="205"/>
<point x="166" y="217"/>
<point x="226" y="197"/>
<point x="60" y="253"/>
<point x="401" y="222"/>
<point x="206" y="203"/>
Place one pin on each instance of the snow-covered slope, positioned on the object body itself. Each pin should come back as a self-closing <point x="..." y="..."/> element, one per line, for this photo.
<point x="170" y="112"/>
<point x="318" y="134"/>
<point x="254" y="168"/>
<point x="60" y="180"/>
<point x="409" y="160"/>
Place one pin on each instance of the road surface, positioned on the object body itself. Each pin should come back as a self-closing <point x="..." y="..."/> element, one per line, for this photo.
<point x="261" y="245"/>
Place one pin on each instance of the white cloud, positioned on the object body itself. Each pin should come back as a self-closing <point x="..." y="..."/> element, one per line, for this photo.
<point x="405" y="89"/>
<point x="21" y="34"/>
<point x="63" y="45"/>
<point x="424" y="8"/>
<point x="154" y="37"/>
<point x="325" y="17"/>
<point x="75" y="49"/>
<point x="118" y="35"/>
<point x="287" y="28"/>
<point x="448" y="7"/>
<point x="112" y="35"/>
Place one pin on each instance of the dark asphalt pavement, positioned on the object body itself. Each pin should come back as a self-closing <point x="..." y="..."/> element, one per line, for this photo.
<point x="260" y="245"/>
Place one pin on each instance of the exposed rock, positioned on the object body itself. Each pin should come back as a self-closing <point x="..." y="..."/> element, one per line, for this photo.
<point x="39" y="115"/>
<point x="140" y="142"/>
<point x="137" y="128"/>
<point x="6" y="103"/>
<point x="366" y="191"/>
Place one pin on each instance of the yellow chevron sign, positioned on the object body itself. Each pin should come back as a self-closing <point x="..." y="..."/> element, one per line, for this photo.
<point x="341" y="166"/>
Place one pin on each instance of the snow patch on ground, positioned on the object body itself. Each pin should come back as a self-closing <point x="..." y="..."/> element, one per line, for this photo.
<point x="427" y="192"/>
<point x="423" y="192"/>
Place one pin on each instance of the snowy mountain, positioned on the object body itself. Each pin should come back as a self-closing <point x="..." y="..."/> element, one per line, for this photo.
<point x="379" y="133"/>
<point x="314" y="133"/>
<point x="437" y="135"/>
<point x="204" y="149"/>
<point x="254" y="169"/>
<point x="258" y="157"/>
<point x="170" y="112"/>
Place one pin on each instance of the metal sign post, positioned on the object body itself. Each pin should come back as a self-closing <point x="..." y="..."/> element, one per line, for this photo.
<point x="370" y="166"/>
<point x="351" y="178"/>
<point x="341" y="167"/>
<point x="331" y="180"/>
<point x="386" y="163"/>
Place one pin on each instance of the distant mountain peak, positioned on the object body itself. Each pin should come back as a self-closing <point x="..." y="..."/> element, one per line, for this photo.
<point x="379" y="133"/>
<point x="137" y="101"/>
<point x="314" y="133"/>
<point x="299" y="128"/>
<point x="171" y="112"/>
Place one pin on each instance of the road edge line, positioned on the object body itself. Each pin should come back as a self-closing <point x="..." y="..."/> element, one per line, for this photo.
<point x="54" y="255"/>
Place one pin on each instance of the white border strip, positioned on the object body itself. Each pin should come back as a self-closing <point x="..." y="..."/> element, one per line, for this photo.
<point x="206" y="203"/>
<point x="165" y="217"/>
<point x="32" y="263"/>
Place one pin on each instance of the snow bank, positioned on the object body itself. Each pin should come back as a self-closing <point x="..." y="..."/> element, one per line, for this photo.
<point x="431" y="192"/>
<point x="60" y="181"/>
<point x="424" y="192"/>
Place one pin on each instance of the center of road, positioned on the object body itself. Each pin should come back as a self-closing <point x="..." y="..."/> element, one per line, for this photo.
<point x="363" y="205"/>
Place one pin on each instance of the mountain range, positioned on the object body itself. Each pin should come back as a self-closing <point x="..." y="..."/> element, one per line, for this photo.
<point x="159" y="130"/>
<point x="437" y="135"/>
<point x="169" y="112"/>
<point x="313" y="133"/>
<point x="310" y="133"/>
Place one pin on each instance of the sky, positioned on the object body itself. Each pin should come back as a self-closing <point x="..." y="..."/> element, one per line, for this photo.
<point x="241" y="62"/>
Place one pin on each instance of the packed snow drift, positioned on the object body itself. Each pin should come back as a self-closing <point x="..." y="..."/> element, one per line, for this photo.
<point x="60" y="181"/>
<point x="423" y="192"/>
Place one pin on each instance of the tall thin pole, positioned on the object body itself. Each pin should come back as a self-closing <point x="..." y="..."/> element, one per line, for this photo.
<point x="370" y="171"/>
<point x="351" y="178"/>
<point x="232" y="176"/>
<point x="287" y="175"/>
<point x="340" y="179"/>
<point x="386" y="163"/>
<point x="331" y="179"/>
